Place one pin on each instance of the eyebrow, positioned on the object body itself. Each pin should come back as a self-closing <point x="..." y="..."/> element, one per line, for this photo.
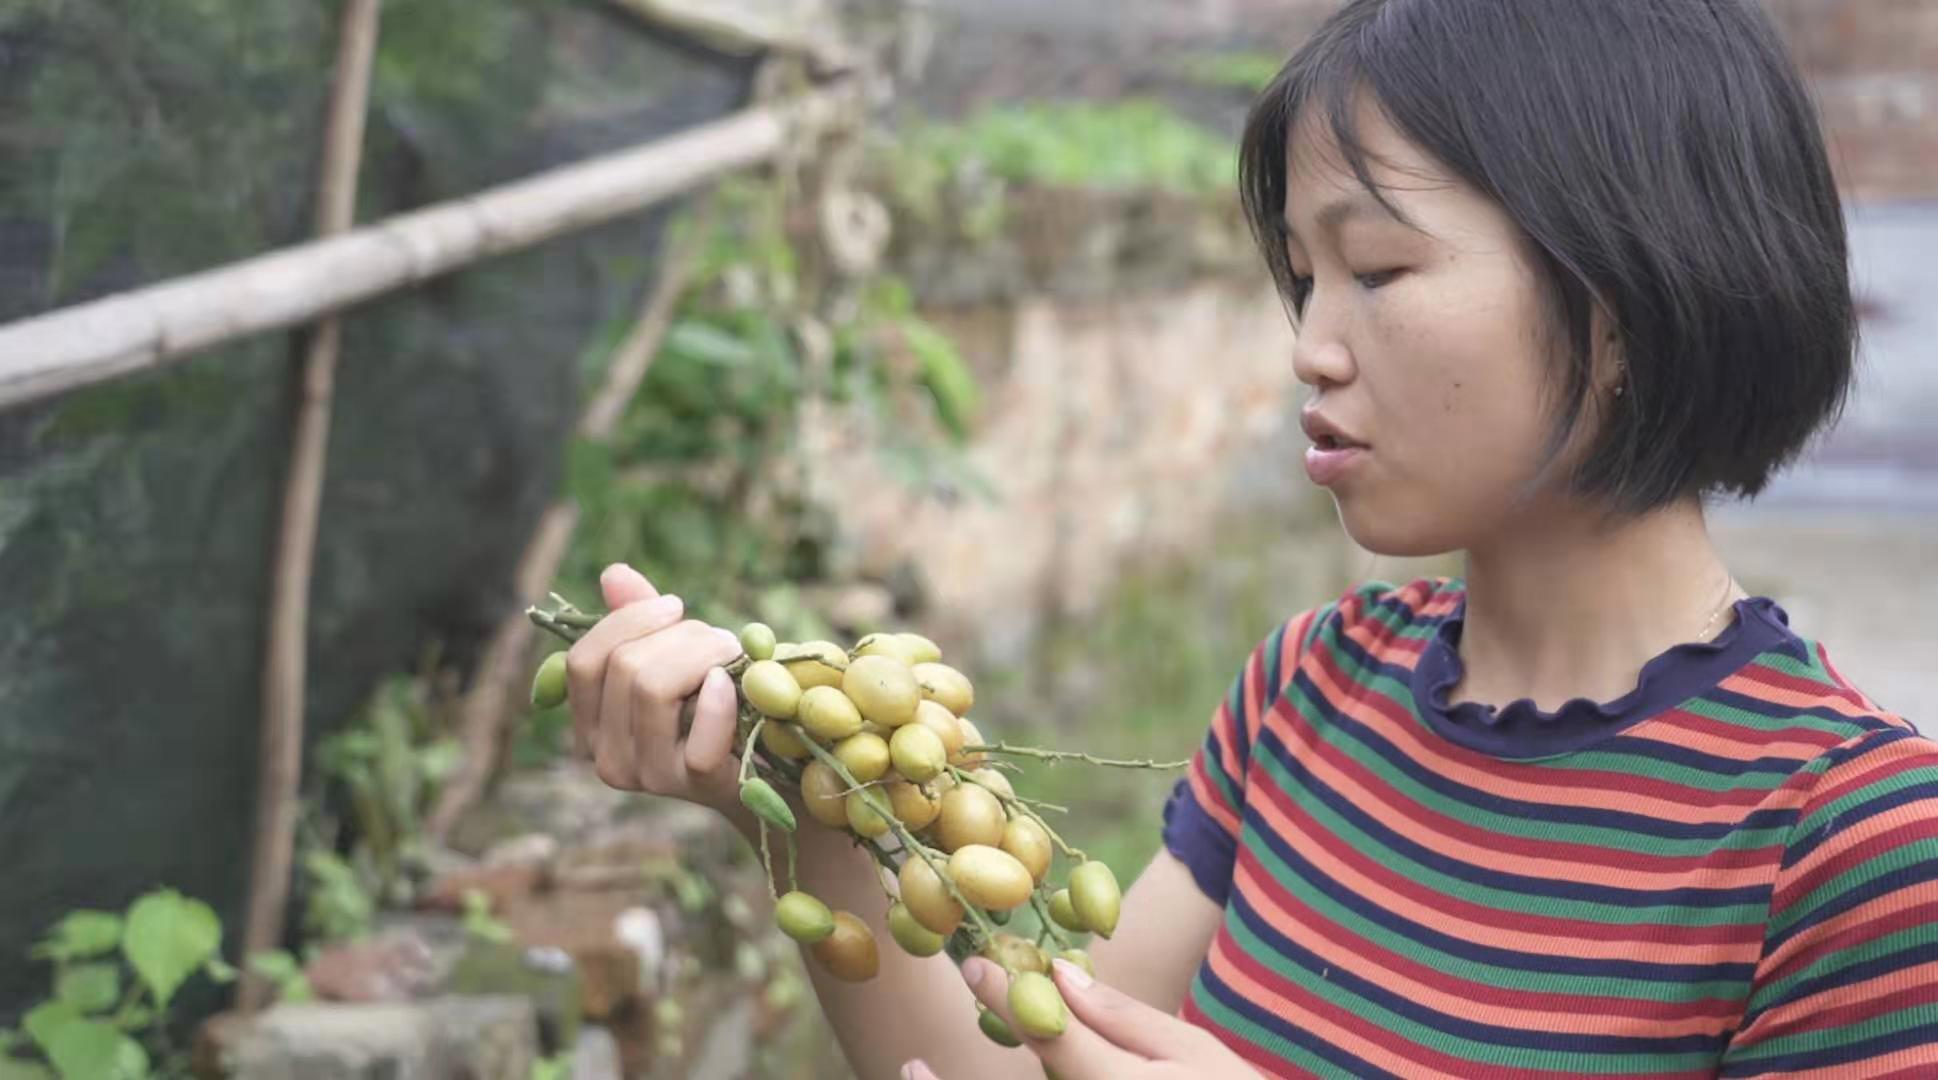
<point x="1335" y="213"/>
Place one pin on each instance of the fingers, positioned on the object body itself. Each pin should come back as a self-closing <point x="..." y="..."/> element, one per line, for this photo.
<point x="623" y="585"/>
<point x="587" y="661"/>
<point x="662" y="672"/>
<point x="1077" y="1054"/>
<point x="918" y="1070"/>
<point x="1123" y="1020"/>
<point x="710" y="745"/>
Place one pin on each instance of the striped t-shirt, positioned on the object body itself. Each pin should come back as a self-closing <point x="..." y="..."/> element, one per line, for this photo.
<point x="1731" y="871"/>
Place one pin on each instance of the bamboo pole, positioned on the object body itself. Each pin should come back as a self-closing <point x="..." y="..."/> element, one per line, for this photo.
<point x="280" y="767"/>
<point x="500" y="670"/>
<point x="134" y="331"/>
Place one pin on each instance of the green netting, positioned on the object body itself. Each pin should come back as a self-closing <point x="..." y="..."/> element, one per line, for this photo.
<point x="144" y="140"/>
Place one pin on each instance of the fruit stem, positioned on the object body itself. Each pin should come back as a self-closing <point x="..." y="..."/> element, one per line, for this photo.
<point x="767" y="863"/>
<point x="1020" y="806"/>
<point x="1055" y="756"/>
<point x="909" y="842"/>
<point x="747" y="756"/>
<point x="1042" y="907"/>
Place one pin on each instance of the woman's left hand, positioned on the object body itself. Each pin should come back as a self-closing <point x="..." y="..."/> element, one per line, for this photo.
<point x="1111" y="1036"/>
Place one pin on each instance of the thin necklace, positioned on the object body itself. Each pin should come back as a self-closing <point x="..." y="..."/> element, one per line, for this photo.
<point x="1729" y="591"/>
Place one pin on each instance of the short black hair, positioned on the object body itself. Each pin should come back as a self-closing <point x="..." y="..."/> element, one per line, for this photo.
<point x="1662" y="155"/>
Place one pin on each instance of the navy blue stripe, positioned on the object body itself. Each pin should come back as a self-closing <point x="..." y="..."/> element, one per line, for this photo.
<point x="1317" y="881"/>
<point x="1786" y="716"/>
<point x="1211" y="984"/>
<point x="1903" y="877"/>
<point x="1921" y="1035"/>
<point x="1199" y="842"/>
<point x="1921" y="791"/>
<point x="1487" y="1034"/>
<point x="1920" y="952"/>
<point x="1714" y="764"/>
<point x="1496" y="878"/>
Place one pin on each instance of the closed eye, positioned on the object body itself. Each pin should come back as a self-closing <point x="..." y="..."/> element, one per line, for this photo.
<point x="1302" y="286"/>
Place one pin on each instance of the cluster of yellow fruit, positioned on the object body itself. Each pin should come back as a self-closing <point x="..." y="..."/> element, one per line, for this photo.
<point x="877" y="742"/>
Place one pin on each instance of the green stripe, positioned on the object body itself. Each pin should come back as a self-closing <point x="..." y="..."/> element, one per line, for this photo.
<point x="1806" y="1042"/>
<point x="1464" y="1048"/>
<point x="1922" y="938"/>
<point x="1258" y="1035"/>
<point x="1478" y="971"/>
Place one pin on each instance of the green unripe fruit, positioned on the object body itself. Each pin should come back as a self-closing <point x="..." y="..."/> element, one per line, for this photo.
<point x="867" y="815"/>
<point x="914" y="938"/>
<point x="1095" y="897"/>
<point x="804" y="918"/>
<point x="996" y="1028"/>
<point x="1081" y="959"/>
<point x="548" y="686"/>
<point x="1036" y="1005"/>
<point x="760" y="797"/>
<point x="771" y="689"/>
<point x="1064" y="914"/>
<point x="757" y="641"/>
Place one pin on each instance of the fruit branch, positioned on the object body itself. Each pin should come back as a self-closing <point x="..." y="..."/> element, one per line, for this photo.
<point x="1056" y="756"/>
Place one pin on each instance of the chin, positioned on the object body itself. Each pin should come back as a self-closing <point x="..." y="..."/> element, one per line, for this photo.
<point x="1397" y="535"/>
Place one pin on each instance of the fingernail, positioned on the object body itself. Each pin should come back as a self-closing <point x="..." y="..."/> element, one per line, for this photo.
<point x="1071" y="973"/>
<point x="973" y="970"/>
<point x="917" y="1070"/>
<point x="730" y="638"/>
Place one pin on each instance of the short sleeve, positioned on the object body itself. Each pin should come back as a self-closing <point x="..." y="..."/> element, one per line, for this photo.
<point x="1848" y="981"/>
<point x="1204" y="815"/>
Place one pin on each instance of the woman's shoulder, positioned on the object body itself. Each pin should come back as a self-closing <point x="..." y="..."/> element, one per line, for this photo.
<point x="1372" y="614"/>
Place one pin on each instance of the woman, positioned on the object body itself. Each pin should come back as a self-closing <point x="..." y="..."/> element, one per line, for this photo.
<point x="1561" y="269"/>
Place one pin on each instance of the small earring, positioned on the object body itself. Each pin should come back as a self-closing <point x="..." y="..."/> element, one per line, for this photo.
<point x="1621" y="378"/>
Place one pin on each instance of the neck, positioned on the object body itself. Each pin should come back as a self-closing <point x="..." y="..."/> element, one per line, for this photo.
<point x="1575" y="607"/>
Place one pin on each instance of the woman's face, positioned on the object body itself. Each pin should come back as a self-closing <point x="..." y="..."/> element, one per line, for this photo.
<point x="1428" y="350"/>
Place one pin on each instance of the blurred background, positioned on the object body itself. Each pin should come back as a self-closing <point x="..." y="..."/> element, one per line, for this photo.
<point x="973" y="344"/>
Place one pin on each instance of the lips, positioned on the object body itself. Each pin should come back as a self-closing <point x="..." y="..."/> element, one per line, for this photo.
<point x="1326" y="434"/>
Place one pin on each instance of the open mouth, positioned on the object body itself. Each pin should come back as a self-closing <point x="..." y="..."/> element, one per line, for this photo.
<point x="1334" y="442"/>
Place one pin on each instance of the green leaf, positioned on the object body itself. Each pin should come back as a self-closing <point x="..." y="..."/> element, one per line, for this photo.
<point x="47" y="1020"/>
<point x="708" y="344"/>
<point x="15" y="1069"/>
<point x="81" y="935"/>
<point x="92" y="1050"/>
<point x="220" y="971"/>
<point x="89" y="987"/>
<point x="167" y="938"/>
<point x="285" y="971"/>
<point x="957" y="397"/>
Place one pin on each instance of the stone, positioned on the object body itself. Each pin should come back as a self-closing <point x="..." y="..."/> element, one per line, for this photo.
<point x="531" y="849"/>
<point x="395" y="967"/>
<point x="481" y="1038"/>
<point x="503" y="885"/>
<point x="596" y="1057"/>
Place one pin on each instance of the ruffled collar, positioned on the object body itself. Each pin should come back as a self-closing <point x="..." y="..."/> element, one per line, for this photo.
<point x="1522" y="730"/>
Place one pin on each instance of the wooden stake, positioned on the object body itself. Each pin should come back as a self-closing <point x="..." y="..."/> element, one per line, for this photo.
<point x="135" y="331"/>
<point x="280" y="767"/>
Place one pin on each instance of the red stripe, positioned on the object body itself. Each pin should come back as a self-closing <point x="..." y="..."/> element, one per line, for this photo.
<point x="1895" y="758"/>
<point x="1808" y="1017"/>
<point x="1558" y="850"/>
<point x="1740" y="935"/>
<point x="1382" y="958"/>
<point x="1851" y="937"/>
<point x="1252" y="1053"/>
<point x="1798" y="684"/>
<point x="1848" y="858"/>
<point x="1445" y="1064"/>
<point x="1753" y="738"/>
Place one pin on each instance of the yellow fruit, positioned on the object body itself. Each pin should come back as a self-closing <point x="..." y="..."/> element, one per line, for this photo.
<point x="1030" y="844"/>
<point x="865" y="755"/>
<point x="969" y="815"/>
<point x="914" y="806"/>
<point x="882" y="688"/>
<point x="927" y="897"/>
<point x="943" y="723"/>
<point x="995" y="781"/>
<point x="918" y="753"/>
<point x="889" y="645"/>
<point x="1063" y="914"/>
<point x="827" y="713"/>
<point x="914" y="938"/>
<point x="771" y="689"/>
<point x="849" y="953"/>
<point x="813" y="663"/>
<point x="804" y="918"/>
<point x="945" y="686"/>
<point x="990" y="877"/>
<point x="866" y="813"/>
<point x="971" y="736"/>
<point x="783" y="739"/>
<point x="1095" y="897"/>
<point x="824" y="795"/>
<point x="1015" y="954"/>
<point x="757" y="641"/>
<point x="920" y="649"/>
<point x="1036" y="1005"/>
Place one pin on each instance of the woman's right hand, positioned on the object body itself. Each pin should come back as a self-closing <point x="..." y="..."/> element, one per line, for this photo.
<point x="628" y="678"/>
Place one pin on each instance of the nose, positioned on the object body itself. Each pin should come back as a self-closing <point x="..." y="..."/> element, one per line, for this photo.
<point x="1320" y="358"/>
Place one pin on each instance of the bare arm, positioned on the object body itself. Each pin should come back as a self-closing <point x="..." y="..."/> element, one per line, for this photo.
<point x="1162" y="937"/>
